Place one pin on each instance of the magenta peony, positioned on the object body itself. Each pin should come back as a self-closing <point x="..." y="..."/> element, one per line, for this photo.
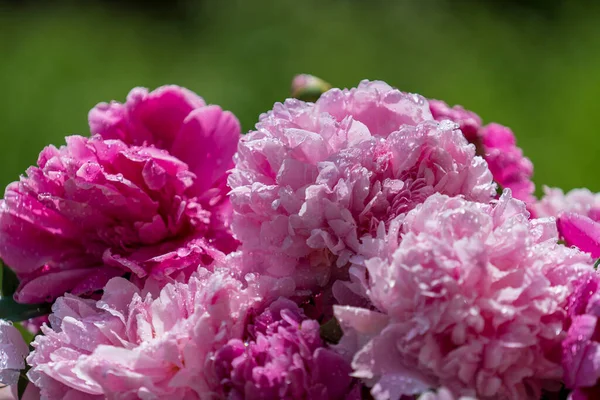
<point x="145" y="196"/>
<point x="497" y="145"/>
<point x="13" y="351"/>
<point x="283" y="357"/>
<point x="581" y="348"/>
<point x="469" y="122"/>
<point x="509" y="167"/>
<point x="177" y="120"/>
<point x="143" y="344"/>
<point x="472" y="299"/>
<point x="578" y="217"/>
<point x="580" y="231"/>
<point x="313" y="179"/>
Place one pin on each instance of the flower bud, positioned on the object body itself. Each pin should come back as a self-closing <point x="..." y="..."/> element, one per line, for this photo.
<point x="308" y="87"/>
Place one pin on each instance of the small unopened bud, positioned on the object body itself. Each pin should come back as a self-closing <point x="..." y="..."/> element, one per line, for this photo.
<point x="308" y="87"/>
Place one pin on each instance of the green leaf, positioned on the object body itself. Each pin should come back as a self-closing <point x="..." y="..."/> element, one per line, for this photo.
<point x="13" y="311"/>
<point x="8" y="281"/>
<point x="597" y="263"/>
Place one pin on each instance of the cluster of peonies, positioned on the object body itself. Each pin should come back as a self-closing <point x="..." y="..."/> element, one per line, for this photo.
<point x="369" y="244"/>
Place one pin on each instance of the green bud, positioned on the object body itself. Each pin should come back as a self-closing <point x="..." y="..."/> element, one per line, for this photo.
<point x="308" y="87"/>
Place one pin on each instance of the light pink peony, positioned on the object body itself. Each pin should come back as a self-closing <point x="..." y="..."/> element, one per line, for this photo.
<point x="578" y="201"/>
<point x="315" y="178"/>
<point x="145" y="196"/>
<point x="472" y="298"/>
<point x="578" y="217"/>
<point x="13" y="351"/>
<point x="133" y="344"/>
<point x="498" y="146"/>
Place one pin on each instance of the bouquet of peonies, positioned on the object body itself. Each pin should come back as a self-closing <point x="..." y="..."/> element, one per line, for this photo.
<point x="370" y="244"/>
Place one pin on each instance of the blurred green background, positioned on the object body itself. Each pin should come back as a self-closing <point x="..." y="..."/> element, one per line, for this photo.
<point x="531" y="65"/>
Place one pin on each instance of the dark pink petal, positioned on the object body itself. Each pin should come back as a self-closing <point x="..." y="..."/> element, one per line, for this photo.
<point x="215" y="133"/>
<point x="49" y="285"/>
<point x="468" y="121"/>
<point x="580" y="231"/>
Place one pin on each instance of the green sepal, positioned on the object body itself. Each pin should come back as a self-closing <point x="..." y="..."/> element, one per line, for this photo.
<point x="331" y="332"/>
<point x="8" y="281"/>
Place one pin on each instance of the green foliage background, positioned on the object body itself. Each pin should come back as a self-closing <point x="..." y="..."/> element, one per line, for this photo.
<point x="538" y="73"/>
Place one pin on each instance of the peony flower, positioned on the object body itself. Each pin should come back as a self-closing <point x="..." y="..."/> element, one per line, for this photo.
<point x="578" y="201"/>
<point x="509" y="167"/>
<point x="142" y="344"/>
<point x="313" y="179"/>
<point x="581" y="347"/>
<point x="283" y="357"/>
<point x="497" y="145"/>
<point x="472" y="298"/>
<point x="578" y="217"/>
<point x="145" y="196"/>
<point x="469" y="122"/>
<point x="580" y="231"/>
<point x="13" y="351"/>
<point x="177" y="120"/>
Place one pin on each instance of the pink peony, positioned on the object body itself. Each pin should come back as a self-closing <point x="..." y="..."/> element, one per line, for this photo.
<point x="13" y="351"/>
<point x="472" y="298"/>
<point x="146" y="197"/>
<point x="283" y="357"/>
<point x="578" y="217"/>
<point x="313" y="179"/>
<point x="497" y="145"/>
<point x="581" y="347"/>
<point x="140" y="344"/>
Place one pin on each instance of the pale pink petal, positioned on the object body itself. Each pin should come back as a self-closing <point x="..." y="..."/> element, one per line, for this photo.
<point x="13" y="351"/>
